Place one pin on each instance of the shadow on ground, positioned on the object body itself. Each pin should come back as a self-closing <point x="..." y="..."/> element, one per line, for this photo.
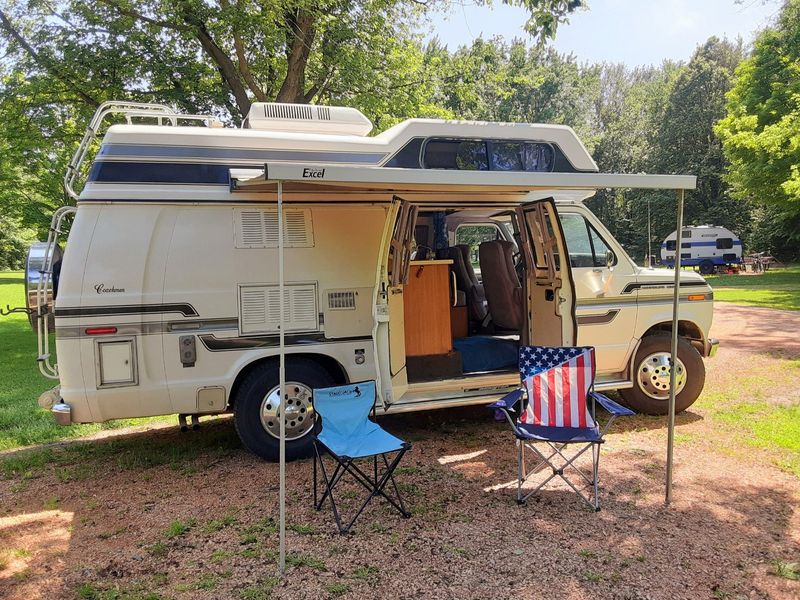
<point x="194" y="516"/>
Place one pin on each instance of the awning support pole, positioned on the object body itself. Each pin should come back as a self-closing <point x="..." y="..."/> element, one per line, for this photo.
<point x="676" y="295"/>
<point x="282" y="390"/>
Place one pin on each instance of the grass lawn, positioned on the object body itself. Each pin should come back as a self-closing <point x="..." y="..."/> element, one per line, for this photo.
<point x="22" y="422"/>
<point x="779" y="288"/>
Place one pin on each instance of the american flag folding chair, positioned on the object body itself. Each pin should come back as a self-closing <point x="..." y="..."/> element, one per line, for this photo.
<point x="555" y="410"/>
<point x="348" y="435"/>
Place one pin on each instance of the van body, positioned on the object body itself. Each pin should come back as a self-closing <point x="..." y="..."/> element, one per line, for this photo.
<point x="705" y="247"/>
<point x="167" y="294"/>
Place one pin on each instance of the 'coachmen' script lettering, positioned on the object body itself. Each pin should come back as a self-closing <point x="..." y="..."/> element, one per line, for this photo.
<point x="101" y="288"/>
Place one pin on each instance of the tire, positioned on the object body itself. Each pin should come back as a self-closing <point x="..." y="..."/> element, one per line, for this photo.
<point x="652" y="396"/>
<point x="706" y="267"/>
<point x="302" y="376"/>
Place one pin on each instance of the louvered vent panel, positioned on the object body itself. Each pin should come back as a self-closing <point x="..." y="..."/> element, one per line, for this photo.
<point x="260" y="308"/>
<point x="254" y="306"/>
<point x="343" y="300"/>
<point x="258" y="228"/>
<point x="323" y="113"/>
<point x="287" y="111"/>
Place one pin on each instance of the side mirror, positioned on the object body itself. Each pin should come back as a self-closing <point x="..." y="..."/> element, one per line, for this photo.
<point x="610" y="259"/>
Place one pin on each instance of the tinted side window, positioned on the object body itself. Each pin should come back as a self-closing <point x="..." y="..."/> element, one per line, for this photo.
<point x="724" y="243"/>
<point x="586" y="247"/>
<point x="466" y="155"/>
<point x="521" y="156"/>
<point x="671" y="245"/>
<point x="483" y="155"/>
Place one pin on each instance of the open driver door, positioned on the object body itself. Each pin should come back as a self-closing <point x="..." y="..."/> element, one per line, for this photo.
<point x="550" y="316"/>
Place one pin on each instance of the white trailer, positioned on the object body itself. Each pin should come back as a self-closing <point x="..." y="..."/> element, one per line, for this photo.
<point x="706" y="247"/>
<point x="167" y="294"/>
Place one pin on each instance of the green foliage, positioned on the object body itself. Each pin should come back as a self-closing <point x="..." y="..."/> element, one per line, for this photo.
<point x="761" y="131"/>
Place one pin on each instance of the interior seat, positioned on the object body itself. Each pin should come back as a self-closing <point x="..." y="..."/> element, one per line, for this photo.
<point x="501" y="284"/>
<point x="467" y="281"/>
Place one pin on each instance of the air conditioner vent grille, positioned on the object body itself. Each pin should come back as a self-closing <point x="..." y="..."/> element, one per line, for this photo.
<point x="260" y="308"/>
<point x="323" y="113"/>
<point x="257" y="228"/>
<point x="342" y="300"/>
<point x="287" y="111"/>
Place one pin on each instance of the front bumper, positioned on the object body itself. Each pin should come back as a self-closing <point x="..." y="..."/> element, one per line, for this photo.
<point x="711" y="346"/>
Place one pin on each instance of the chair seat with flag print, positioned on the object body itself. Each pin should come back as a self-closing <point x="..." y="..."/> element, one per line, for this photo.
<point x="557" y="408"/>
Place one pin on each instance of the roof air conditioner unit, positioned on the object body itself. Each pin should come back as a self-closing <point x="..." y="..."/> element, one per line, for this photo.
<point x="307" y="118"/>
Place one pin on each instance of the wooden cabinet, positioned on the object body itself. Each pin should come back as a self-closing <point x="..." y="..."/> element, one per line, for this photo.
<point x="427" y="300"/>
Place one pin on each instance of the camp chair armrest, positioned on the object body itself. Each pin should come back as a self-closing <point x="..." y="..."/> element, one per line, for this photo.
<point x="509" y="401"/>
<point x="607" y="403"/>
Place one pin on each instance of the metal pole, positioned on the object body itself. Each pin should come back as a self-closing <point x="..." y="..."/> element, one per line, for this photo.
<point x="282" y="390"/>
<point x="676" y="295"/>
<point x="649" y="236"/>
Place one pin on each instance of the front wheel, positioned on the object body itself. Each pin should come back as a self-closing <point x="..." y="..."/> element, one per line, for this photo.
<point x="651" y="376"/>
<point x="257" y="408"/>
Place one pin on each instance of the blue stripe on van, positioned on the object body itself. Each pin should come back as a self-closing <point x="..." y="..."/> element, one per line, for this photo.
<point x="144" y="172"/>
<point x="685" y="245"/>
<point x="325" y="156"/>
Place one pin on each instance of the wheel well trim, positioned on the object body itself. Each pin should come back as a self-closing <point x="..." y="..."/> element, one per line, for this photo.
<point x="326" y="361"/>
<point x="686" y="329"/>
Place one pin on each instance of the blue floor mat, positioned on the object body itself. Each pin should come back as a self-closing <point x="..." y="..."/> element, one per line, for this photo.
<point x="486" y="353"/>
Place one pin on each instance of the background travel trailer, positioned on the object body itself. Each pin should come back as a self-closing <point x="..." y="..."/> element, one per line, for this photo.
<point x="167" y="297"/>
<point x="706" y="247"/>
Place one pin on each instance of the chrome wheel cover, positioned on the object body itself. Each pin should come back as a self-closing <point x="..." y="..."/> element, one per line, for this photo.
<point x="299" y="415"/>
<point x="653" y="375"/>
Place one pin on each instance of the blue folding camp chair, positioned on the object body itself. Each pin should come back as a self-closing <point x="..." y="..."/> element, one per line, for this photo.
<point x="557" y="408"/>
<point x="348" y="434"/>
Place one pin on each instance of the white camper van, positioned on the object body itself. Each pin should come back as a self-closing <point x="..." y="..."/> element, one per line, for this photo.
<point x="421" y="258"/>
<point x="706" y="247"/>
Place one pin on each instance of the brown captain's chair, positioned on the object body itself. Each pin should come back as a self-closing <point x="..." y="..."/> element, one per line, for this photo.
<point x="501" y="284"/>
<point x="466" y="281"/>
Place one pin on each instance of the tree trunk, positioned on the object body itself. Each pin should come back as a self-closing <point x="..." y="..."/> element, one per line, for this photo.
<point x="299" y="41"/>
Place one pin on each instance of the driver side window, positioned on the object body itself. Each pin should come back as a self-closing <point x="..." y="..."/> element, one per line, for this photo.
<point x="586" y="247"/>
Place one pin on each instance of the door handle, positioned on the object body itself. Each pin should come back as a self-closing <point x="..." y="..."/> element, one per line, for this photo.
<point x="455" y="289"/>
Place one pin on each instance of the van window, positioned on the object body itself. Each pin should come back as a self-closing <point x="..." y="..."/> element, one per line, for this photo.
<point x="473" y="235"/>
<point x="586" y="247"/>
<point x="724" y="243"/>
<point x="484" y="155"/>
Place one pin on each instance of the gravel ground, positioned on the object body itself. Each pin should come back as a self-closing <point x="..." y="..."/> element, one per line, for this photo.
<point x="202" y="525"/>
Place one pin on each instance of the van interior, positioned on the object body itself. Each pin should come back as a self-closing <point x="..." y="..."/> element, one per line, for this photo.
<point x="464" y="302"/>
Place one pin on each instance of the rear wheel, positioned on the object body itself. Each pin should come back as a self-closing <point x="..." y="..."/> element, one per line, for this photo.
<point x="651" y="376"/>
<point x="258" y="408"/>
<point x="706" y="267"/>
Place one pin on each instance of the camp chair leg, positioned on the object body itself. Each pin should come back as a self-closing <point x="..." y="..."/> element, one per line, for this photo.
<point x="520" y="470"/>
<point x="403" y="511"/>
<point x="596" y="461"/>
<point x="329" y="483"/>
<point x="558" y="470"/>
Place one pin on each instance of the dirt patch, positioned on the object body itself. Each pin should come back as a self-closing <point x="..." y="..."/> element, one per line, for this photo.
<point x="202" y="522"/>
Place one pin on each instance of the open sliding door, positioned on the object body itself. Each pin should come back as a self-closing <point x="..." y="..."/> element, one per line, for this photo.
<point x="389" y="311"/>
<point x="550" y="318"/>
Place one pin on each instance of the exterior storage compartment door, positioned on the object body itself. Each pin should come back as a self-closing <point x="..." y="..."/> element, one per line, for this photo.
<point x="550" y="290"/>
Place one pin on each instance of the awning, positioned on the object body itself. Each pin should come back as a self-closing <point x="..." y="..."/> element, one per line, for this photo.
<point x="339" y="181"/>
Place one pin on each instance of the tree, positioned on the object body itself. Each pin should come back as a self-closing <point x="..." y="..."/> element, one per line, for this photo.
<point x="761" y="130"/>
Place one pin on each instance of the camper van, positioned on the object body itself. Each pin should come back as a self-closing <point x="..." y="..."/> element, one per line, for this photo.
<point x="421" y="258"/>
<point x="705" y="247"/>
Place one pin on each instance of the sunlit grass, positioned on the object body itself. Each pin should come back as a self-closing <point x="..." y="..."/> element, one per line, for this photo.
<point x="22" y="422"/>
<point x="778" y="288"/>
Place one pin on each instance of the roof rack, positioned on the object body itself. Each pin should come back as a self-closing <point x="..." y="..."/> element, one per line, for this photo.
<point x="161" y="114"/>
